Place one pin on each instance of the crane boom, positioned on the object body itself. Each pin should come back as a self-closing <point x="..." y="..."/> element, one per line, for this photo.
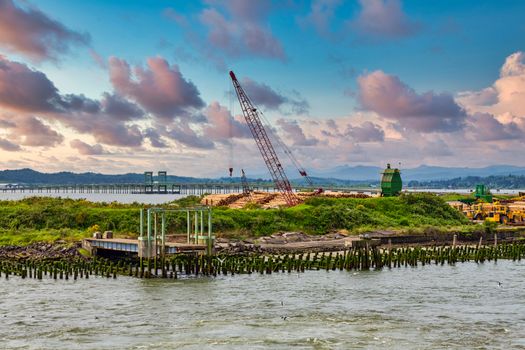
<point x="264" y="144"/>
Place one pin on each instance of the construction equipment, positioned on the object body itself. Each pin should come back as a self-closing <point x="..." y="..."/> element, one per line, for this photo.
<point x="262" y="140"/>
<point x="483" y="193"/>
<point x="391" y="183"/>
<point x="245" y="187"/>
<point x="495" y="212"/>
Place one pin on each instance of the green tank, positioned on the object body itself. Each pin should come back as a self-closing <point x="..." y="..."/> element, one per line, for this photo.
<point x="391" y="183"/>
<point x="483" y="193"/>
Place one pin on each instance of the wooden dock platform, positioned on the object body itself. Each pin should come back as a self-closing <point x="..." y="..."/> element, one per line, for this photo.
<point x="92" y="245"/>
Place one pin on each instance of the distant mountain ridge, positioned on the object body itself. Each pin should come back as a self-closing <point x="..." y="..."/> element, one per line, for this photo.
<point x="421" y="173"/>
<point x="340" y="175"/>
<point x="29" y="176"/>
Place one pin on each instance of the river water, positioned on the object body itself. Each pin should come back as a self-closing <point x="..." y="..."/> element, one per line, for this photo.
<point x="98" y="197"/>
<point x="431" y="307"/>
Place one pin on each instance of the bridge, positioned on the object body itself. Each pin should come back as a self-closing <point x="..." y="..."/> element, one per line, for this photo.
<point x="161" y="188"/>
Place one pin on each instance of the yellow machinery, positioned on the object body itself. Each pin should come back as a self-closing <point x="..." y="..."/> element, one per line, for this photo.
<point x="495" y="212"/>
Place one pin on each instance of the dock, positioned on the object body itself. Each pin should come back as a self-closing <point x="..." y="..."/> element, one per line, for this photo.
<point x="99" y="245"/>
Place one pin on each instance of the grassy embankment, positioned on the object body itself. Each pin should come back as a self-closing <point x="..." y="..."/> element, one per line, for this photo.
<point x="49" y="219"/>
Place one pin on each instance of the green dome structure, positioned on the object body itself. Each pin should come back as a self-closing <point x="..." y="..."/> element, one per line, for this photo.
<point x="391" y="183"/>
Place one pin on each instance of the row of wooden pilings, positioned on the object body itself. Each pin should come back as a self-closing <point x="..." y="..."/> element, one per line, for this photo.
<point x="213" y="265"/>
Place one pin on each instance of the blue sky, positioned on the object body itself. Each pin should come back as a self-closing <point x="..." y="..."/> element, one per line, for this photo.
<point x="307" y="63"/>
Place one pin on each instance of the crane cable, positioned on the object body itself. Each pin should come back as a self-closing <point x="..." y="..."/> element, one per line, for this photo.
<point x="230" y="131"/>
<point x="286" y="150"/>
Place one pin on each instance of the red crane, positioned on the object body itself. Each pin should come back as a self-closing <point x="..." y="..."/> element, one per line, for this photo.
<point x="263" y="143"/>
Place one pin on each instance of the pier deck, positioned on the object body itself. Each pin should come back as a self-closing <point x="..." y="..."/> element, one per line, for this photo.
<point x="132" y="245"/>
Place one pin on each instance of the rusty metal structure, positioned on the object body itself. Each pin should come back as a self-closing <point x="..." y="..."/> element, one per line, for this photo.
<point x="251" y="115"/>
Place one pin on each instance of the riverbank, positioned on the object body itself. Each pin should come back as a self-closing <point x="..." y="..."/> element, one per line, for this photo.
<point x="41" y="219"/>
<point x="291" y="243"/>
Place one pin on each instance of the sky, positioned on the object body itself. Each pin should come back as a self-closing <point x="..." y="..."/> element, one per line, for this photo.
<point x="132" y="86"/>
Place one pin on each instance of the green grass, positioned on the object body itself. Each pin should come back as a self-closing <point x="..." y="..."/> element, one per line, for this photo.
<point x="49" y="219"/>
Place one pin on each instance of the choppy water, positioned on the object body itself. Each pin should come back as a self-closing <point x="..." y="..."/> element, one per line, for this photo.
<point x="431" y="307"/>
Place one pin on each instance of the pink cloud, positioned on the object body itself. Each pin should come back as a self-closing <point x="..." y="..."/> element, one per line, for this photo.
<point x="507" y="93"/>
<point x="380" y="19"/>
<point x="160" y="88"/>
<point x="24" y="89"/>
<point x="294" y="132"/>
<point x="30" y="32"/>
<point x="366" y="132"/>
<point x="222" y="126"/>
<point x="320" y="16"/>
<point x="9" y="146"/>
<point x="30" y="131"/>
<point x="239" y="28"/>
<point x="86" y="149"/>
<point x="185" y="135"/>
<point x="264" y="96"/>
<point x="392" y="99"/>
<point x="485" y="127"/>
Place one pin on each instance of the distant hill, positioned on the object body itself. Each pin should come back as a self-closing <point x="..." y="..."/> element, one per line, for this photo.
<point x="494" y="182"/>
<point x="29" y="176"/>
<point x="338" y="176"/>
<point x="421" y="173"/>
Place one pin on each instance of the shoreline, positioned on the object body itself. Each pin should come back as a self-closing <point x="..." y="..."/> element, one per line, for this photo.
<point x="290" y="242"/>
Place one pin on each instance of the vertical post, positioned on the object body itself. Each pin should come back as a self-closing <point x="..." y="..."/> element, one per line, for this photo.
<point x="495" y="240"/>
<point x="163" y="246"/>
<point x="141" y="222"/>
<point x="188" y="224"/>
<point x="163" y="228"/>
<point x="196" y="228"/>
<point x="149" y="224"/>
<point x="156" y="241"/>
<point x="454" y="240"/>
<point x="141" y="233"/>
<point x="149" y="240"/>
<point x="480" y="240"/>
<point x="202" y="223"/>
<point x="209" y="232"/>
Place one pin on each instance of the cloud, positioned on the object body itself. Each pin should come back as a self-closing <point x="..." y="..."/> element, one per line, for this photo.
<point x="86" y="149"/>
<point x="173" y="15"/>
<point x="231" y="29"/>
<point x="366" y="132"/>
<point x="9" y="146"/>
<point x="160" y="88"/>
<point x="222" y="126"/>
<point x="104" y="129"/>
<point x="154" y="138"/>
<point x="498" y="111"/>
<point x="120" y="108"/>
<point x="24" y="89"/>
<point x="98" y="59"/>
<point x="295" y="133"/>
<point x="392" y="99"/>
<point x="240" y="36"/>
<point x="507" y="93"/>
<point x="485" y="97"/>
<point x="383" y="19"/>
<point x="184" y="134"/>
<point x="31" y="131"/>
<point x="30" y="32"/>
<point x="508" y="90"/>
<point x="485" y="127"/>
<point x="263" y="95"/>
<point x="320" y="16"/>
